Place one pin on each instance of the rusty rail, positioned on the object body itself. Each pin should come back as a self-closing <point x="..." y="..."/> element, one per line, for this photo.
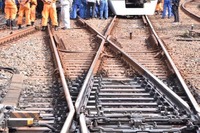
<point x="194" y="16"/>
<point x="17" y="34"/>
<point x="68" y="121"/>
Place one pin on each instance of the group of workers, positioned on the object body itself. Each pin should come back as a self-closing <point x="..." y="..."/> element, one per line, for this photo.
<point x="170" y="6"/>
<point x="53" y="9"/>
<point x="26" y="7"/>
<point x="69" y="9"/>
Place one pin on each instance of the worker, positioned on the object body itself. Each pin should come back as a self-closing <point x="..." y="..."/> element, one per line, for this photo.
<point x="159" y="7"/>
<point x="97" y="9"/>
<point x="175" y="5"/>
<point x="91" y="4"/>
<point x="10" y="12"/>
<point x="167" y="5"/>
<point x="1" y="3"/>
<point x="49" y="9"/>
<point x="65" y="13"/>
<point x="24" y="8"/>
<point x="33" y="11"/>
<point x="103" y="9"/>
<point x="78" y="5"/>
<point x="39" y="8"/>
<point x="58" y="10"/>
<point x="3" y="6"/>
<point x="83" y="9"/>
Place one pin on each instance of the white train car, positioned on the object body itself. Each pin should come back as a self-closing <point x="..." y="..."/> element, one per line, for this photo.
<point x="132" y="7"/>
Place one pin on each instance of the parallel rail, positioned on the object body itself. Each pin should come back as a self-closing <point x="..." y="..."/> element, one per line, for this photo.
<point x="190" y="13"/>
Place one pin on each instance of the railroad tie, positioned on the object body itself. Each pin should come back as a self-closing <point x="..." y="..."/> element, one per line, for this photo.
<point x="13" y="94"/>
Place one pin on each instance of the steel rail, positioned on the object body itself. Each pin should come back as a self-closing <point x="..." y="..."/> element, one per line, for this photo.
<point x="81" y="95"/>
<point x="82" y="122"/>
<point x="110" y="27"/>
<point x="68" y="121"/>
<point x="88" y="77"/>
<point x="90" y="27"/>
<point x="189" y="94"/>
<point x="194" y="16"/>
<point x="17" y="34"/>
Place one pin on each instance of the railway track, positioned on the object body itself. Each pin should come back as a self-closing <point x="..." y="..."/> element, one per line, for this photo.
<point x="105" y="100"/>
<point x="114" y="81"/>
<point x="34" y="101"/>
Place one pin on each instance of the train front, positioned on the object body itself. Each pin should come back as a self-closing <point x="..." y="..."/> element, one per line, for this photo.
<point x="132" y="7"/>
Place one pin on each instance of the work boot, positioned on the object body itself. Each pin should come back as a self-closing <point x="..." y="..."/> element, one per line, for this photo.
<point x="19" y="26"/>
<point x="32" y="23"/>
<point x="8" y="22"/>
<point x="13" y="24"/>
<point x="64" y="28"/>
<point x="43" y="28"/>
